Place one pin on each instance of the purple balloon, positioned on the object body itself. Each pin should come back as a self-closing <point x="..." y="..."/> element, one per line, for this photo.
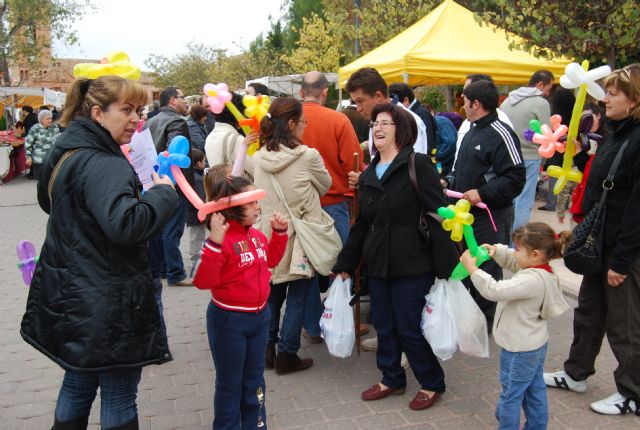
<point x="27" y="256"/>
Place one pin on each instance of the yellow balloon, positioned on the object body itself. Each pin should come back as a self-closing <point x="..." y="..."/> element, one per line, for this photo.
<point x="115" y="63"/>
<point x="460" y="218"/>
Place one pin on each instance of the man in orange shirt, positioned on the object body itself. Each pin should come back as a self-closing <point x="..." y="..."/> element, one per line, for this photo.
<point x="332" y="134"/>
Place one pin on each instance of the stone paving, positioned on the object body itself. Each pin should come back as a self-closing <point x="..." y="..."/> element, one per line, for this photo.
<point x="178" y="395"/>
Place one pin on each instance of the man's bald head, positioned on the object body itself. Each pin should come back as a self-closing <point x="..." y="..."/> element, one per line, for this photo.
<point x="314" y="86"/>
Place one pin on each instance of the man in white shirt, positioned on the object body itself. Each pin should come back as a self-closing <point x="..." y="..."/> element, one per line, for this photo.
<point x="367" y="89"/>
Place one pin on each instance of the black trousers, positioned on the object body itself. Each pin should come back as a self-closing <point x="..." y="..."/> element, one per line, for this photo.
<point x="484" y="233"/>
<point x="614" y="311"/>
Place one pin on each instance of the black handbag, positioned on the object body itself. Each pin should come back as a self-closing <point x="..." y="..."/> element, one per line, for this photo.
<point x="583" y="254"/>
<point x="444" y="253"/>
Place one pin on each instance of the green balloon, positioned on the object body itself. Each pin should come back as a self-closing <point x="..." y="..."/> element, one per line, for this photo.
<point x="534" y="124"/>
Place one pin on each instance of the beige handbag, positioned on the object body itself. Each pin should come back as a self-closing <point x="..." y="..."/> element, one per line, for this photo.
<point x="319" y="241"/>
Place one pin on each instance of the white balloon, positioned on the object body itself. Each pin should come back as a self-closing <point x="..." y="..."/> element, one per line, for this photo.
<point x="575" y="76"/>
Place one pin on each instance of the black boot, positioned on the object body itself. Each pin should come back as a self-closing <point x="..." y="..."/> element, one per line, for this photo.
<point x="289" y="363"/>
<point x="76" y="424"/>
<point x="270" y="356"/>
<point x="131" y="425"/>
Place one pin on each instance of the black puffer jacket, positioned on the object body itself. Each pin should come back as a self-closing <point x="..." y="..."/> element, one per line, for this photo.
<point x="622" y="219"/>
<point x="91" y="304"/>
<point x="385" y="232"/>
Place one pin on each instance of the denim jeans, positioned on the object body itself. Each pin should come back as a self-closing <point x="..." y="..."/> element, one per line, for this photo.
<point x="396" y="310"/>
<point x="313" y="311"/>
<point x="522" y="387"/>
<point x="551" y="200"/>
<point x="171" y="236"/>
<point x="296" y="293"/>
<point x="523" y="204"/>
<point x="118" y="392"/>
<point x="238" y="341"/>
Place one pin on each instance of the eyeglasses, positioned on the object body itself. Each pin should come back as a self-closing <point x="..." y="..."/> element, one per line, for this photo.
<point x="382" y="124"/>
<point x="303" y="121"/>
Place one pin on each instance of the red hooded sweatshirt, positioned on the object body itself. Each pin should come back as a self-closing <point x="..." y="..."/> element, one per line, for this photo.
<point x="237" y="272"/>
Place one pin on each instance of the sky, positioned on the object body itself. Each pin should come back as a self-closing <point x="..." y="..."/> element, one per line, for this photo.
<point x="142" y="27"/>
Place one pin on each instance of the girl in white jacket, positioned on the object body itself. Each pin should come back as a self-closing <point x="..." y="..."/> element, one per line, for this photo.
<point x="525" y="302"/>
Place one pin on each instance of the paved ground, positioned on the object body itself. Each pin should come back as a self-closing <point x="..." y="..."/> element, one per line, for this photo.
<point x="178" y="395"/>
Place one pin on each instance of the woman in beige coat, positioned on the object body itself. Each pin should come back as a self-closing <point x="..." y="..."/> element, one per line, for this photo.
<point x="299" y="171"/>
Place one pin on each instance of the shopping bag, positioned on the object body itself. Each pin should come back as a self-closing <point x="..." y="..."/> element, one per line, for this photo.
<point x="438" y="325"/>
<point x="337" y="324"/>
<point x="471" y="325"/>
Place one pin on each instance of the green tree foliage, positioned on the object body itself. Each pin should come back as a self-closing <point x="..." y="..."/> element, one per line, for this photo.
<point x="601" y="31"/>
<point x="19" y="20"/>
<point x="316" y="49"/>
<point x="297" y="12"/>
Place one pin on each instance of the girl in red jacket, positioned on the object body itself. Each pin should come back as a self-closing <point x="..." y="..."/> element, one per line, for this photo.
<point x="234" y="265"/>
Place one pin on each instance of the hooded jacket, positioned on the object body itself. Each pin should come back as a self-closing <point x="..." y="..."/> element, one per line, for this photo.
<point x="91" y="304"/>
<point x="301" y="174"/>
<point x="526" y="302"/>
<point x="523" y="105"/>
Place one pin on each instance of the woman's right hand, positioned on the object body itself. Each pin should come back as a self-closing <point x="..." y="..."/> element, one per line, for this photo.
<point x="29" y="162"/>
<point x="164" y="179"/>
<point x="343" y="275"/>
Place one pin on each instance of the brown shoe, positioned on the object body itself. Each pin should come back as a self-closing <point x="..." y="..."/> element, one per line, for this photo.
<point x="364" y="329"/>
<point x="289" y="363"/>
<point x="270" y="356"/>
<point x="183" y="283"/>
<point x="312" y="339"/>
<point x="376" y="392"/>
<point x="422" y="400"/>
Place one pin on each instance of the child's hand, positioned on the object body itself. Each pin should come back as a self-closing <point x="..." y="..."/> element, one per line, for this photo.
<point x="250" y="138"/>
<point x="278" y="221"/>
<point x="218" y="226"/>
<point x="491" y="249"/>
<point x="468" y="261"/>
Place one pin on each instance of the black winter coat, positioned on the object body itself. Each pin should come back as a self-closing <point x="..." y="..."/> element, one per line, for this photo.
<point x="91" y="303"/>
<point x="385" y="232"/>
<point x="622" y="218"/>
<point x="490" y="160"/>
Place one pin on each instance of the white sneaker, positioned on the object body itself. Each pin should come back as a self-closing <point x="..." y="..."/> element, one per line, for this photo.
<point x="562" y="380"/>
<point x="615" y="404"/>
<point x="403" y="361"/>
<point x="370" y="344"/>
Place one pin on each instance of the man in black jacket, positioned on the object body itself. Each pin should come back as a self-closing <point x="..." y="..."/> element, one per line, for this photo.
<point x="168" y="124"/>
<point x="489" y="169"/>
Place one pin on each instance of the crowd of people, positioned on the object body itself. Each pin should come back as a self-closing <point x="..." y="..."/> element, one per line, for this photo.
<point x="95" y="303"/>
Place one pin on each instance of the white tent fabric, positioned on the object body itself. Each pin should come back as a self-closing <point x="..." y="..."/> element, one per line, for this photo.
<point x="289" y="84"/>
<point x="50" y="97"/>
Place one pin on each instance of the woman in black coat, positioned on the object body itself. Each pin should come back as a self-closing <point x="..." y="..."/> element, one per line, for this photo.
<point x="609" y="300"/>
<point x="91" y="305"/>
<point x="400" y="266"/>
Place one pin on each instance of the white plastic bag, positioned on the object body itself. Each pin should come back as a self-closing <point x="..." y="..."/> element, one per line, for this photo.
<point x="337" y="324"/>
<point x="437" y="325"/>
<point x="471" y="325"/>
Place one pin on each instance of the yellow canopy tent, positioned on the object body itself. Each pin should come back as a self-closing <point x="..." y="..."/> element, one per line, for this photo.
<point x="447" y="45"/>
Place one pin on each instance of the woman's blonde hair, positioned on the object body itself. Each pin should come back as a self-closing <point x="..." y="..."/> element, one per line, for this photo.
<point x="627" y="80"/>
<point x="84" y="94"/>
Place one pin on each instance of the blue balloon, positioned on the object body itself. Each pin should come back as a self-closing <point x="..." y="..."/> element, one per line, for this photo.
<point x="178" y="154"/>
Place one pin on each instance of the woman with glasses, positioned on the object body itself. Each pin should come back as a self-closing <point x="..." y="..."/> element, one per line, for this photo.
<point x="91" y="306"/>
<point x="400" y="267"/>
<point x="609" y="301"/>
<point x="284" y="162"/>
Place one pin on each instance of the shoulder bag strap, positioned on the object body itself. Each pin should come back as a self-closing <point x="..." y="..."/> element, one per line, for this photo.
<point x="414" y="184"/>
<point x="278" y="190"/>
<point x="225" y="146"/>
<point x="608" y="184"/>
<point x="56" y="169"/>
